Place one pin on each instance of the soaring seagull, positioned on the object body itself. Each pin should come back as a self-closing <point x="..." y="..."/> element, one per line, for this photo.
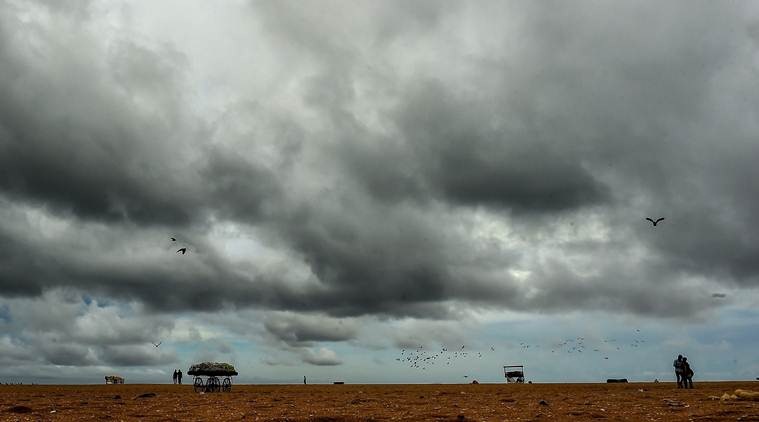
<point x="156" y="344"/>
<point x="654" y="222"/>
<point x="173" y="239"/>
<point x="183" y="250"/>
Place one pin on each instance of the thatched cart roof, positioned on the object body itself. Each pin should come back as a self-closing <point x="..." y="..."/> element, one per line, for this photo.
<point x="212" y="369"/>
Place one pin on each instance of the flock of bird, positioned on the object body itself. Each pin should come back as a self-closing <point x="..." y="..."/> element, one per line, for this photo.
<point x="423" y="359"/>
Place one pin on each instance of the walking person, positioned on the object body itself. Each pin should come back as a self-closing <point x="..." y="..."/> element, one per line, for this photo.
<point x="304" y="380"/>
<point x="174" y="377"/>
<point x="687" y="374"/>
<point x="179" y="375"/>
<point x="678" y="364"/>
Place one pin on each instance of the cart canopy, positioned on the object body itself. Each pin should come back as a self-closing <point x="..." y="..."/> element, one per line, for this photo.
<point x="212" y="369"/>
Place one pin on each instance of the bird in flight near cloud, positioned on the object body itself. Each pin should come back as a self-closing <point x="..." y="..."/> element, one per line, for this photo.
<point x="183" y="250"/>
<point x="156" y="344"/>
<point x="654" y="222"/>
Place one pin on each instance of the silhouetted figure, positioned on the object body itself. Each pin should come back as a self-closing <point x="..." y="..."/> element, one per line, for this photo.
<point x="678" y="364"/>
<point x="654" y="222"/>
<point x="179" y="376"/>
<point x="304" y="380"/>
<point x="687" y="374"/>
<point x="175" y="376"/>
<point x="183" y="250"/>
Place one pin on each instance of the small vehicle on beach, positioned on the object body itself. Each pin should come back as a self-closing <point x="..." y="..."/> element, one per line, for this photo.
<point x="114" y="379"/>
<point x="514" y="374"/>
<point x="212" y="371"/>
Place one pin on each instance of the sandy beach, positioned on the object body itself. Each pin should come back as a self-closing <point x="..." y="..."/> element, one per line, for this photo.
<point x="484" y="402"/>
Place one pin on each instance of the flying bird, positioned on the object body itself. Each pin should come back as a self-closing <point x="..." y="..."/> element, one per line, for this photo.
<point x="183" y="250"/>
<point x="719" y="295"/>
<point x="156" y="344"/>
<point x="654" y="222"/>
<point x="173" y="239"/>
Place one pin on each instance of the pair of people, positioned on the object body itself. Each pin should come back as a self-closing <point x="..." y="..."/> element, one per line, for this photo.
<point x="683" y="372"/>
<point x="177" y="376"/>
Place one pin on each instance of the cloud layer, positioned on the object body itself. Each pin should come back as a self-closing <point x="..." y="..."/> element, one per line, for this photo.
<point x="425" y="160"/>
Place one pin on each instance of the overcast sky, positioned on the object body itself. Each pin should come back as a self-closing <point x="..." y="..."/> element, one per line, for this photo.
<point x="354" y="178"/>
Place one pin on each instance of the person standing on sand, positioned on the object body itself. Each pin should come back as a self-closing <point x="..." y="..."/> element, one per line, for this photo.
<point x="179" y="376"/>
<point x="304" y="380"/>
<point x="687" y="374"/>
<point x="174" y="377"/>
<point x="679" y="370"/>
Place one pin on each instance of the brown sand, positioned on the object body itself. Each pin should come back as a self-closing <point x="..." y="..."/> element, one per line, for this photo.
<point x="483" y="402"/>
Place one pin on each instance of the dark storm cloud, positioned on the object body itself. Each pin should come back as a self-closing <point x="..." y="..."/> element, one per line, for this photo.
<point x="107" y="137"/>
<point x="563" y="113"/>
<point x="467" y="161"/>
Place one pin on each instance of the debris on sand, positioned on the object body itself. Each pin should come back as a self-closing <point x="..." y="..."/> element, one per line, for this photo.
<point x="674" y="403"/>
<point x="19" y="409"/>
<point x="145" y="395"/>
<point x="741" y="395"/>
<point x="747" y="394"/>
<point x="116" y="397"/>
<point x="543" y="402"/>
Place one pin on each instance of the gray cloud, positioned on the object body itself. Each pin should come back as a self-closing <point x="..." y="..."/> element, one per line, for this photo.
<point x="406" y="170"/>
<point x="136" y="356"/>
<point x="321" y="357"/>
<point x="298" y="330"/>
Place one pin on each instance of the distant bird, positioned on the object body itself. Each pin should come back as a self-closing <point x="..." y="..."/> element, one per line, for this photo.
<point x="719" y="295"/>
<point x="654" y="222"/>
<point x="183" y="250"/>
<point x="492" y="348"/>
<point x="173" y="239"/>
<point x="156" y="344"/>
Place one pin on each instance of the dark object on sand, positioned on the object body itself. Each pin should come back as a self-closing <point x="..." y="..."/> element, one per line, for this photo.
<point x="19" y="409"/>
<point x="616" y="380"/>
<point x="475" y="382"/>
<point x="212" y="370"/>
<point x="543" y="402"/>
<point x="144" y="395"/>
<point x="339" y="382"/>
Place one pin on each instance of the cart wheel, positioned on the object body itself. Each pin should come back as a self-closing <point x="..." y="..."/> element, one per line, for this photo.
<point x="197" y="384"/>
<point x="226" y="385"/>
<point x="213" y="385"/>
